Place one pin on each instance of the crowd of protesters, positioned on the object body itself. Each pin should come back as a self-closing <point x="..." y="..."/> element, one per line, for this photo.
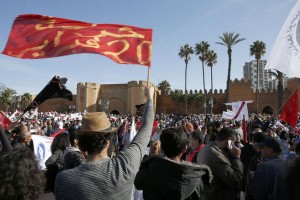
<point x="214" y="158"/>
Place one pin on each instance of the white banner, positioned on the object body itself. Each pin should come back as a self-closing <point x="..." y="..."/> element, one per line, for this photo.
<point x="42" y="148"/>
<point x="285" y="54"/>
<point x="227" y="115"/>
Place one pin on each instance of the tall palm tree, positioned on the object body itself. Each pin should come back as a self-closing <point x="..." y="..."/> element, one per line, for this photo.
<point x="165" y="87"/>
<point x="279" y="76"/>
<point x="258" y="49"/>
<point x="185" y="53"/>
<point x="201" y="49"/>
<point x="211" y="61"/>
<point x="6" y="97"/>
<point x="229" y="40"/>
<point x="26" y="98"/>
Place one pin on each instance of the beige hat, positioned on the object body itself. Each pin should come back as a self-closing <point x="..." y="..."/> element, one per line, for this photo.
<point x="95" y="123"/>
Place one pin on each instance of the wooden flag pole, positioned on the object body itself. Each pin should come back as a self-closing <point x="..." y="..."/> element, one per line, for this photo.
<point x="20" y="117"/>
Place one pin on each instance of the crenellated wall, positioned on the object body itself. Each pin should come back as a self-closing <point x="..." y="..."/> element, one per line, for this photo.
<point x="124" y="97"/>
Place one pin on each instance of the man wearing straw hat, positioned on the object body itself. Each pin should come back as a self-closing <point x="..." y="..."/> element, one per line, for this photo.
<point x="102" y="177"/>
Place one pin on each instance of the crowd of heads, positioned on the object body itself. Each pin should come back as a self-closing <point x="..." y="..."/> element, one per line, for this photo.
<point x="176" y="133"/>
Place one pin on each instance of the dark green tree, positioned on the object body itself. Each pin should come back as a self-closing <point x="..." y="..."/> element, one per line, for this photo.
<point x="164" y="87"/>
<point x="280" y="90"/>
<point x="185" y="53"/>
<point x="6" y="97"/>
<point x="26" y="98"/>
<point x="229" y="40"/>
<point x="258" y="49"/>
<point x="202" y="49"/>
<point x="211" y="61"/>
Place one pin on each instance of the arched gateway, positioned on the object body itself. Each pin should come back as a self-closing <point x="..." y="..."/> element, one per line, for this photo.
<point x="122" y="98"/>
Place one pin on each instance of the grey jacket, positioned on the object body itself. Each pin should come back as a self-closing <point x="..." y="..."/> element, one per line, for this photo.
<point x="227" y="173"/>
<point x="107" y="178"/>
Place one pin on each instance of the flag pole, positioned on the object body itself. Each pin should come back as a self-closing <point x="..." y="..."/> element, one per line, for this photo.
<point x="148" y="76"/>
<point x="286" y="101"/>
<point x="20" y="117"/>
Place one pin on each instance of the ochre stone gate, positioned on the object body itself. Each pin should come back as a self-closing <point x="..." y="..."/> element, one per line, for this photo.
<point x="122" y="97"/>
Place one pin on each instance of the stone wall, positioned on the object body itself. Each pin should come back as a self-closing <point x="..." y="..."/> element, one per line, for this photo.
<point x="124" y="97"/>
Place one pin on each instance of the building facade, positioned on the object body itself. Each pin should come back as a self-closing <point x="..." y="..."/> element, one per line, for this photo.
<point x="264" y="79"/>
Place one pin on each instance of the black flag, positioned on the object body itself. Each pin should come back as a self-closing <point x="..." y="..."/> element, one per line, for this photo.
<point x="54" y="89"/>
<point x="5" y="145"/>
<point x="140" y="109"/>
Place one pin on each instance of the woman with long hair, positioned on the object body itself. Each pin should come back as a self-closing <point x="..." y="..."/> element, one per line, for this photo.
<point x="55" y="163"/>
<point x="20" y="177"/>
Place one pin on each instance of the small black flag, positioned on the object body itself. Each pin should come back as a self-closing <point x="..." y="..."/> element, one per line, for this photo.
<point x="54" y="89"/>
<point x="5" y="145"/>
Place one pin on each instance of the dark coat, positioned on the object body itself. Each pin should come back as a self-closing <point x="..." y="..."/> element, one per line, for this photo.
<point x="72" y="158"/>
<point x="161" y="178"/>
<point x="269" y="180"/>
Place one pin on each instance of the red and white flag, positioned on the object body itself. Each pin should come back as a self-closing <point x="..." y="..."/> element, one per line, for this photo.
<point x="4" y="120"/>
<point x="240" y="109"/>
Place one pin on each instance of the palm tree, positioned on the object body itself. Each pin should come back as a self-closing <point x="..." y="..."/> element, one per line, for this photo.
<point x="279" y="76"/>
<point x="211" y="61"/>
<point x="185" y="52"/>
<point x="165" y="87"/>
<point x="26" y="98"/>
<point x="229" y="40"/>
<point x="6" y="97"/>
<point x="201" y="49"/>
<point x="258" y="49"/>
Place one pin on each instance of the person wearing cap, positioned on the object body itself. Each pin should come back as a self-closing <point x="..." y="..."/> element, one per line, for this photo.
<point x="269" y="178"/>
<point x="101" y="177"/>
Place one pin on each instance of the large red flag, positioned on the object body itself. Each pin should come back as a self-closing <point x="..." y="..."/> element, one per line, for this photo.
<point x="290" y="110"/>
<point x="37" y="36"/>
<point x="4" y="120"/>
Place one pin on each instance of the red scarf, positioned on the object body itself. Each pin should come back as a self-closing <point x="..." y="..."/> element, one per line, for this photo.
<point x="191" y="155"/>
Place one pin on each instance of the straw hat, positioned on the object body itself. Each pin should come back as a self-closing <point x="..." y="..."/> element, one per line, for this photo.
<point x="95" y="123"/>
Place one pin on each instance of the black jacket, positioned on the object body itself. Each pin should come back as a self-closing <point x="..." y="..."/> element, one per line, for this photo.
<point x="161" y="178"/>
<point x="72" y="158"/>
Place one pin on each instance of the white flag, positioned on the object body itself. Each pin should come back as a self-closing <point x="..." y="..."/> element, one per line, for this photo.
<point x="132" y="131"/>
<point x="285" y="55"/>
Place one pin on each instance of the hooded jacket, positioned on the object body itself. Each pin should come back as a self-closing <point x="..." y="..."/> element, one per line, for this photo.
<point x="161" y="178"/>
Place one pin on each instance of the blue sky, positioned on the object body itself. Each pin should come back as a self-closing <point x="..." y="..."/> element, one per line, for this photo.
<point x="174" y="23"/>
